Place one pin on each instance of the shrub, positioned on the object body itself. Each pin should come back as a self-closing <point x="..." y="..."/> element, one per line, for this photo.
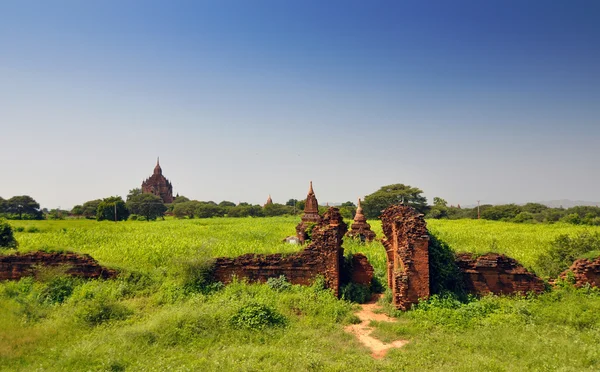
<point x="100" y="310"/>
<point x="7" y="238"/>
<point x="354" y="292"/>
<point x="444" y="275"/>
<point x="57" y="290"/>
<point x="279" y="284"/>
<point x="255" y="316"/>
<point x="196" y="275"/>
<point x="564" y="250"/>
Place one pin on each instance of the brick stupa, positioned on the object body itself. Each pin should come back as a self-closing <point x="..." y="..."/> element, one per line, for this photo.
<point x="310" y="217"/>
<point x="360" y="229"/>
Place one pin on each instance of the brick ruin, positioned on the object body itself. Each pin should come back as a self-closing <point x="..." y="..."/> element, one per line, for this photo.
<point x="14" y="267"/>
<point x="496" y="273"/>
<point x="360" y="229"/>
<point x="323" y="256"/>
<point x="584" y="272"/>
<point x="158" y="185"/>
<point x="406" y="244"/>
<point x="310" y="217"/>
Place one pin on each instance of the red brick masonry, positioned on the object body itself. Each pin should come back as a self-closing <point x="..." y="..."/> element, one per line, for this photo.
<point x="585" y="272"/>
<point x="16" y="266"/>
<point x="496" y="273"/>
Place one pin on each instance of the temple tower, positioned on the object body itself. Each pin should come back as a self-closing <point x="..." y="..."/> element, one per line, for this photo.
<point x="311" y="215"/>
<point x="158" y="185"/>
<point x="360" y="229"/>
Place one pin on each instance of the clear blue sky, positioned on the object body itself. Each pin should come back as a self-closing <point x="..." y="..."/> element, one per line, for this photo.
<point x="496" y="101"/>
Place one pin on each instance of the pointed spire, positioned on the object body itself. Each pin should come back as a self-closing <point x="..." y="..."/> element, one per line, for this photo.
<point x="158" y="161"/>
<point x="359" y="209"/>
<point x="310" y="189"/>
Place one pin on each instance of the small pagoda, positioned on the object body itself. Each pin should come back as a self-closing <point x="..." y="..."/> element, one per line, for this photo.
<point x="269" y="201"/>
<point x="158" y="185"/>
<point x="360" y="229"/>
<point x="310" y="217"/>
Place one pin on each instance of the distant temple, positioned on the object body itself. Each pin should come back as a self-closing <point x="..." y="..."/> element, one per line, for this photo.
<point x="269" y="201"/>
<point x="158" y="185"/>
<point x="311" y="215"/>
<point x="360" y="228"/>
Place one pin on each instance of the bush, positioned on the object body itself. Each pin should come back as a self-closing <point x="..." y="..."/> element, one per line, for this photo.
<point x="444" y="275"/>
<point x="255" y="316"/>
<point x="564" y="250"/>
<point x="57" y="290"/>
<point x="100" y="310"/>
<point x="354" y="292"/>
<point x="196" y="275"/>
<point x="279" y="284"/>
<point x="7" y="238"/>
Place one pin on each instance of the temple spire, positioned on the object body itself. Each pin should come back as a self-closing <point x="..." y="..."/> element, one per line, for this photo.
<point x="310" y="189"/>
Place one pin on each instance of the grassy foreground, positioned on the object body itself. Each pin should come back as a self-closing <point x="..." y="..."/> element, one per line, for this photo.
<point x="154" y="318"/>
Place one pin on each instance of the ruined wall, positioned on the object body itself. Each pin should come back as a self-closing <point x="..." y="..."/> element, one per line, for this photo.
<point x="407" y="246"/>
<point x="496" y="273"/>
<point x="584" y="272"/>
<point x="362" y="270"/>
<point x="321" y="257"/>
<point x="16" y="266"/>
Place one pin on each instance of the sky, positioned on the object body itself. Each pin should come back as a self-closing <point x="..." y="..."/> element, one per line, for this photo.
<point x="497" y="101"/>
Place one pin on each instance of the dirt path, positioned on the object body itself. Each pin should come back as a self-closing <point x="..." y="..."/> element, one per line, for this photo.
<point x="363" y="331"/>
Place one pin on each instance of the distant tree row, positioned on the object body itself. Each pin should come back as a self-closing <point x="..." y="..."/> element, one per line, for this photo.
<point x="22" y="207"/>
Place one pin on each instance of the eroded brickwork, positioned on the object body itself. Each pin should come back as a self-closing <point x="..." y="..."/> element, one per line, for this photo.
<point x="321" y="257"/>
<point x="496" y="273"/>
<point x="362" y="271"/>
<point x="16" y="266"/>
<point x="407" y="246"/>
<point x="584" y="272"/>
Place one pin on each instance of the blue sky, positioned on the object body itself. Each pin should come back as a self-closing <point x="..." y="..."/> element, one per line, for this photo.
<point x="496" y="101"/>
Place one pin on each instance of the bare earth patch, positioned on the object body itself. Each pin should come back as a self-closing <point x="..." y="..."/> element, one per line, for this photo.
<point x="363" y="331"/>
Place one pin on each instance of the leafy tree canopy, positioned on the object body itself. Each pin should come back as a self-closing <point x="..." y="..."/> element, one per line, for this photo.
<point x="23" y="207"/>
<point x="134" y="192"/>
<point x="147" y="205"/>
<point x="108" y="207"/>
<point x="394" y="194"/>
<point x="90" y="208"/>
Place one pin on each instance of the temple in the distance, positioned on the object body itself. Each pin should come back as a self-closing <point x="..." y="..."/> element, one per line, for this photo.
<point x="158" y="185"/>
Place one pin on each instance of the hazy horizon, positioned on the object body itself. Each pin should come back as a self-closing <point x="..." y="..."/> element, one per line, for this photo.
<point x="492" y="101"/>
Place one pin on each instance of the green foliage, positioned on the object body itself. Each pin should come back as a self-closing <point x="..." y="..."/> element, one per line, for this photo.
<point x="394" y="194"/>
<point x="109" y="206"/>
<point x="256" y="316"/>
<point x="564" y="250"/>
<point x="148" y="205"/>
<point x="279" y="284"/>
<point x="22" y="207"/>
<point x="195" y="274"/>
<point x="7" y="238"/>
<point x="501" y="212"/>
<point x="101" y="310"/>
<point x="133" y="193"/>
<point x="57" y="290"/>
<point x="439" y="202"/>
<point x="274" y="209"/>
<point x="90" y="208"/>
<point x="444" y="275"/>
<point x="354" y="292"/>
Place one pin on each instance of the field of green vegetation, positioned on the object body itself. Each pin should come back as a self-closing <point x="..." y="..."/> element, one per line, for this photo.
<point x="160" y="314"/>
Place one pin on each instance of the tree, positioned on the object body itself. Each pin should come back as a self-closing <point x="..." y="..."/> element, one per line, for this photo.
<point x="275" y="209"/>
<point x="2" y="206"/>
<point x="108" y="207"/>
<point x="208" y="209"/>
<point x="147" y="205"/>
<point x="90" y="208"/>
<point x="180" y="199"/>
<point x="23" y="206"/>
<point x="394" y="194"/>
<point x="57" y="214"/>
<point x="77" y="210"/>
<point x="133" y="193"/>
<point x="185" y="209"/>
<point x="439" y="202"/>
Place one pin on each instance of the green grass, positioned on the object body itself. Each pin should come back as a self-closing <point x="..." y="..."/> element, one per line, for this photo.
<point x="148" y="320"/>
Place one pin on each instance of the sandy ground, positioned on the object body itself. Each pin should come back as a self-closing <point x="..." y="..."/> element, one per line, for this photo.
<point x="363" y="331"/>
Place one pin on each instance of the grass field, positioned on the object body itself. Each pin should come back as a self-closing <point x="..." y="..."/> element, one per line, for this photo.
<point x="148" y="319"/>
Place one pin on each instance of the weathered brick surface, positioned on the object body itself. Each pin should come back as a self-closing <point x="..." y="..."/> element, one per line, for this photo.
<point x="158" y="185"/>
<point x="14" y="267"/>
<point x="407" y="246"/>
<point x="362" y="270"/>
<point x="496" y="273"/>
<point x="584" y="272"/>
<point x="360" y="229"/>
<point x="321" y="257"/>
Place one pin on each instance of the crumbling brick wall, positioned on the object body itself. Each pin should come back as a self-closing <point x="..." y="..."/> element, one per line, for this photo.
<point x="321" y="257"/>
<point x="407" y="246"/>
<point x="362" y="270"/>
<point x="584" y="272"/>
<point x="14" y="267"/>
<point x="496" y="273"/>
